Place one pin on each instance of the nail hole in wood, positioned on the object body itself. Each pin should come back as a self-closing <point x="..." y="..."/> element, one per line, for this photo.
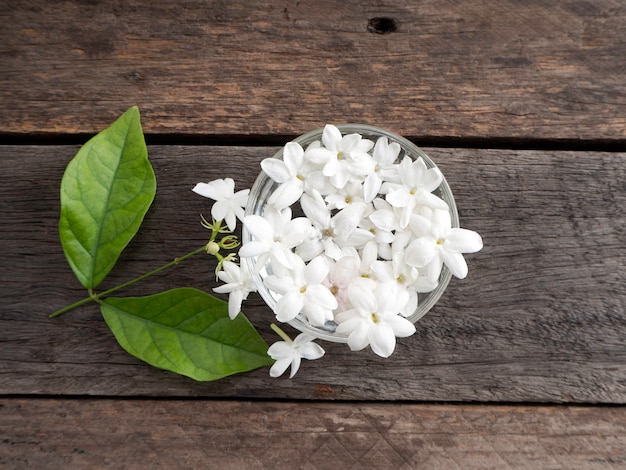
<point x="382" y="25"/>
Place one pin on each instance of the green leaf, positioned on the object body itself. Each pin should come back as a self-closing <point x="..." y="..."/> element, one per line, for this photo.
<point x="186" y="331"/>
<point x="106" y="191"/>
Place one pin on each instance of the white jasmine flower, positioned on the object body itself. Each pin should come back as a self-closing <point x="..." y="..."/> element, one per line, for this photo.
<point x="341" y="156"/>
<point x="367" y="256"/>
<point x="228" y="205"/>
<point x="417" y="183"/>
<point x="381" y="223"/>
<point x="427" y="276"/>
<point x="302" y="291"/>
<point x="335" y="231"/>
<point x="238" y="285"/>
<point x="384" y="167"/>
<point x="444" y="245"/>
<point x="403" y="275"/>
<point x="312" y="173"/>
<point x="274" y="235"/>
<point x="287" y="172"/>
<point x="374" y="321"/>
<point x="341" y="198"/>
<point x="291" y="353"/>
<point x="342" y="273"/>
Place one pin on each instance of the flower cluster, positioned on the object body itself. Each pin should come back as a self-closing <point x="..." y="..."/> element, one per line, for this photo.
<point x="371" y="236"/>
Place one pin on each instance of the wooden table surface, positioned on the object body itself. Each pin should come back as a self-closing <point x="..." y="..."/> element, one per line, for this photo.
<point x="521" y="104"/>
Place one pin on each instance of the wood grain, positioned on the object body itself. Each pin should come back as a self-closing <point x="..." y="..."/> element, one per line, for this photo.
<point x="472" y="69"/>
<point x="51" y="433"/>
<point x="541" y="317"/>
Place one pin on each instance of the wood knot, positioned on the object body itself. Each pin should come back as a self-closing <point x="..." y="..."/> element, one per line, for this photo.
<point x="133" y="76"/>
<point x="381" y="25"/>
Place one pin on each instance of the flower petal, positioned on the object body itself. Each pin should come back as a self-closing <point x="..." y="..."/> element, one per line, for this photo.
<point x="383" y="219"/>
<point x="232" y="271"/>
<point x="384" y="152"/>
<point x="362" y="298"/>
<point x="220" y="209"/>
<point x="401" y="326"/>
<point x="277" y="284"/>
<point x="276" y="169"/>
<point x="225" y="288"/>
<point x="347" y="219"/>
<point x="316" y="271"/>
<point x="432" y="179"/>
<point x="289" y="306"/>
<point x="350" y="142"/>
<point x="217" y="189"/>
<point x="421" y="226"/>
<point x="282" y="259"/>
<point x="241" y="198"/>
<point x="455" y="263"/>
<point x="319" y="155"/>
<point x="359" y="237"/>
<point x="420" y="252"/>
<point x="295" y="365"/>
<point x="286" y="194"/>
<point x="461" y="240"/>
<point x="321" y="296"/>
<point x="280" y="349"/>
<point x="433" y="270"/>
<point x="399" y="197"/>
<point x="415" y="172"/>
<point x="296" y="231"/>
<point x="315" y="209"/>
<point x="390" y="298"/>
<point x="382" y="340"/>
<point x="234" y="303"/>
<point x="331" y="249"/>
<point x="254" y="248"/>
<point x="371" y="186"/>
<point x="430" y="200"/>
<point x="359" y="338"/>
<point x="280" y="366"/>
<point x="309" y="249"/>
<point x="230" y="218"/>
<point x="330" y="168"/>
<point x="331" y="136"/>
<point x="302" y="339"/>
<point x="316" y="314"/>
<point x="259" y="227"/>
<point x="311" y="351"/>
<point x="293" y="155"/>
<point x="340" y="177"/>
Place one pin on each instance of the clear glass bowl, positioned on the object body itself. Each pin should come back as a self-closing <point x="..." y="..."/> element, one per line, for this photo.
<point x="264" y="186"/>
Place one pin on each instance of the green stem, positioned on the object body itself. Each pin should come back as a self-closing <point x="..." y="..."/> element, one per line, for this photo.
<point x="281" y="333"/>
<point x="216" y="230"/>
<point x="96" y="297"/>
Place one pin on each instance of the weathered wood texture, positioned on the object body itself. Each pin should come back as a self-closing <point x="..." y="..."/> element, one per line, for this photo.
<point x="48" y="433"/>
<point x="509" y="69"/>
<point x="541" y="317"/>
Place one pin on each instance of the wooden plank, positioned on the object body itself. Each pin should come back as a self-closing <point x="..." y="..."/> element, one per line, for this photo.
<point x="472" y="69"/>
<point x="541" y="317"/>
<point x="51" y="433"/>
